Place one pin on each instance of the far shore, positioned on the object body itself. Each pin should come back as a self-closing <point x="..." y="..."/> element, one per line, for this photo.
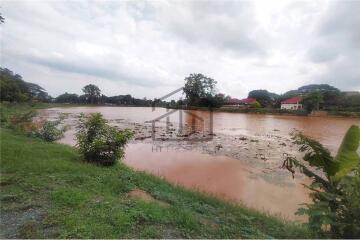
<point x="268" y="111"/>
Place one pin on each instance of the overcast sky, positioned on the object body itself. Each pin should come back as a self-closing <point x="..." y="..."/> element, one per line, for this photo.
<point x="147" y="48"/>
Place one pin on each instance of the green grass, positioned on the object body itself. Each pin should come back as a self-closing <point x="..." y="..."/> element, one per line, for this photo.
<point x="49" y="192"/>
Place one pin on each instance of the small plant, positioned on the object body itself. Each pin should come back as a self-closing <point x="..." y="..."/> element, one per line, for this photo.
<point x="335" y="187"/>
<point x="44" y="129"/>
<point x="99" y="142"/>
<point x="23" y="122"/>
<point x="50" y="130"/>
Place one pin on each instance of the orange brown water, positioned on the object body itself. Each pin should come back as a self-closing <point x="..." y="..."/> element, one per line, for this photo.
<point x="228" y="178"/>
<point x="218" y="175"/>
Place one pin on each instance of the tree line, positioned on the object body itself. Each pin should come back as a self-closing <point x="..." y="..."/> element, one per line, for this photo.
<point x="14" y="89"/>
<point x="199" y="91"/>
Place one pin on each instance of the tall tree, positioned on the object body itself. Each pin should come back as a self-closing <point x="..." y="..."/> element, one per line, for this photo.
<point x="14" y="88"/>
<point x="92" y="93"/>
<point x="199" y="89"/>
<point x="312" y="101"/>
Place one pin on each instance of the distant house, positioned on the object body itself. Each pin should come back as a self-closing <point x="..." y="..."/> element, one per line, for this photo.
<point x="292" y="103"/>
<point x="232" y="102"/>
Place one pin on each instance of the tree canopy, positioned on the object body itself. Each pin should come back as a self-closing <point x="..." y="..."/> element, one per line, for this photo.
<point x="200" y="90"/>
<point x="92" y="93"/>
<point x="264" y="97"/>
<point x="14" y="89"/>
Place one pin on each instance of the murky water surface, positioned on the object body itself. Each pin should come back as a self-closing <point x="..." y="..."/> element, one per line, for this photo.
<point x="239" y="162"/>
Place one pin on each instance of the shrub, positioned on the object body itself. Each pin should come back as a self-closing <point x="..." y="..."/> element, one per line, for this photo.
<point x="255" y="104"/>
<point x="23" y="122"/>
<point x="50" y="130"/>
<point x="335" y="187"/>
<point x="44" y="129"/>
<point x="99" y="142"/>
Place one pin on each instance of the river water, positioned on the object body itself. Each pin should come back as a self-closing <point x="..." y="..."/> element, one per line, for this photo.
<point x="230" y="155"/>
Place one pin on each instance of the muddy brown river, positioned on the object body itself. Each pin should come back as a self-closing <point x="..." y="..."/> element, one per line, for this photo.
<point x="231" y="155"/>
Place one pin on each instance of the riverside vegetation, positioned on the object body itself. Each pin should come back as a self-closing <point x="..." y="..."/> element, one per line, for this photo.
<point x="48" y="191"/>
<point x="42" y="181"/>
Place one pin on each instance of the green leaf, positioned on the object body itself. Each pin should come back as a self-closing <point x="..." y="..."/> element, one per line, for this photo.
<point x="347" y="159"/>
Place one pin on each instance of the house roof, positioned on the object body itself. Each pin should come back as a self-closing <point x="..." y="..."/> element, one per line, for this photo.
<point x="232" y="101"/>
<point x="293" y="100"/>
<point x="247" y="100"/>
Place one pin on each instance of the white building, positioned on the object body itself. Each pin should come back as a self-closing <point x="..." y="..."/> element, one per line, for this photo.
<point x="292" y="103"/>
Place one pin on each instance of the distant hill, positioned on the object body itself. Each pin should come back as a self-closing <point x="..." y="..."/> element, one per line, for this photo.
<point x="311" y="88"/>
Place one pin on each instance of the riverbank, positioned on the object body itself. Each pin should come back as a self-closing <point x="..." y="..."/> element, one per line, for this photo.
<point x="275" y="111"/>
<point x="47" y="191"/>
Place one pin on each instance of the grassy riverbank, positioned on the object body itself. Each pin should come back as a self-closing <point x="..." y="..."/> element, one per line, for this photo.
<point x="48" y="191"/>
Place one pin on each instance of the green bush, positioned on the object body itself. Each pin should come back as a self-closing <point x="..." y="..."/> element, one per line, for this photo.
<point x="335" y="186"/>
<point x="44" y="129"/>
<point x="99" y="142"/>
<point x="255" y="104"/>
<point x="50" y="130"/>
<point x="23" y="122"/>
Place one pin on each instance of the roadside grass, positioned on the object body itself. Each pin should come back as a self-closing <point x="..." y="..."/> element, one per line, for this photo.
<point x="48" y="191"/>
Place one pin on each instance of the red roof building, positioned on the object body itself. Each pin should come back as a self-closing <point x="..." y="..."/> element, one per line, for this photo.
<point x="236" y="102"/>
<point x="247" y="101"/>
<point x="293" y="103"/>
<point x="232" y="101"/>
<point x="293" y="100"/>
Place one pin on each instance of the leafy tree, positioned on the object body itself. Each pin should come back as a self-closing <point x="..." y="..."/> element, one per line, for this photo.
<point x="264" y="97"/>
<point x="199" y="90"/>
<point x="14" y="88"/>
<point x="92" y="93"/>
<point x="335" y="187"/>
<point x="67" y="98"/>
<point x="312" y="101"/>
<point x="317" y="88"/>
<point x="99" y="142"/>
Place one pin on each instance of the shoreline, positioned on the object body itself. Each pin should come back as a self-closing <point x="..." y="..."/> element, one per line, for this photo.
<point x="276" y="112"/>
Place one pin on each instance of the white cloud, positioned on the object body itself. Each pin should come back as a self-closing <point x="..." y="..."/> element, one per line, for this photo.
<point x="147" y="48"/>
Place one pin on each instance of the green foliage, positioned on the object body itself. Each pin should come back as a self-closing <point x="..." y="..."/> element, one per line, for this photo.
<point x="23" y="122"/>
<point x="335" y="186"/>
<point x="50" y="130"/>
<point x="99" y="142"/>
<point x="255" y="104"/>
<point x="347" y="158"/>
<point x="199" y="90"/>
<point x="14" y="89"/>
<point x="67" y="98"/>
<point x="92" y="93"/>
<point x="312" y="101"/>
<point x="44" y="129"/>
<point x="264" y="97"/>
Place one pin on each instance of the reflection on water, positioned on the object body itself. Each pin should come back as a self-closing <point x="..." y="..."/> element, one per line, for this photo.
<point x="235" y="171"/>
